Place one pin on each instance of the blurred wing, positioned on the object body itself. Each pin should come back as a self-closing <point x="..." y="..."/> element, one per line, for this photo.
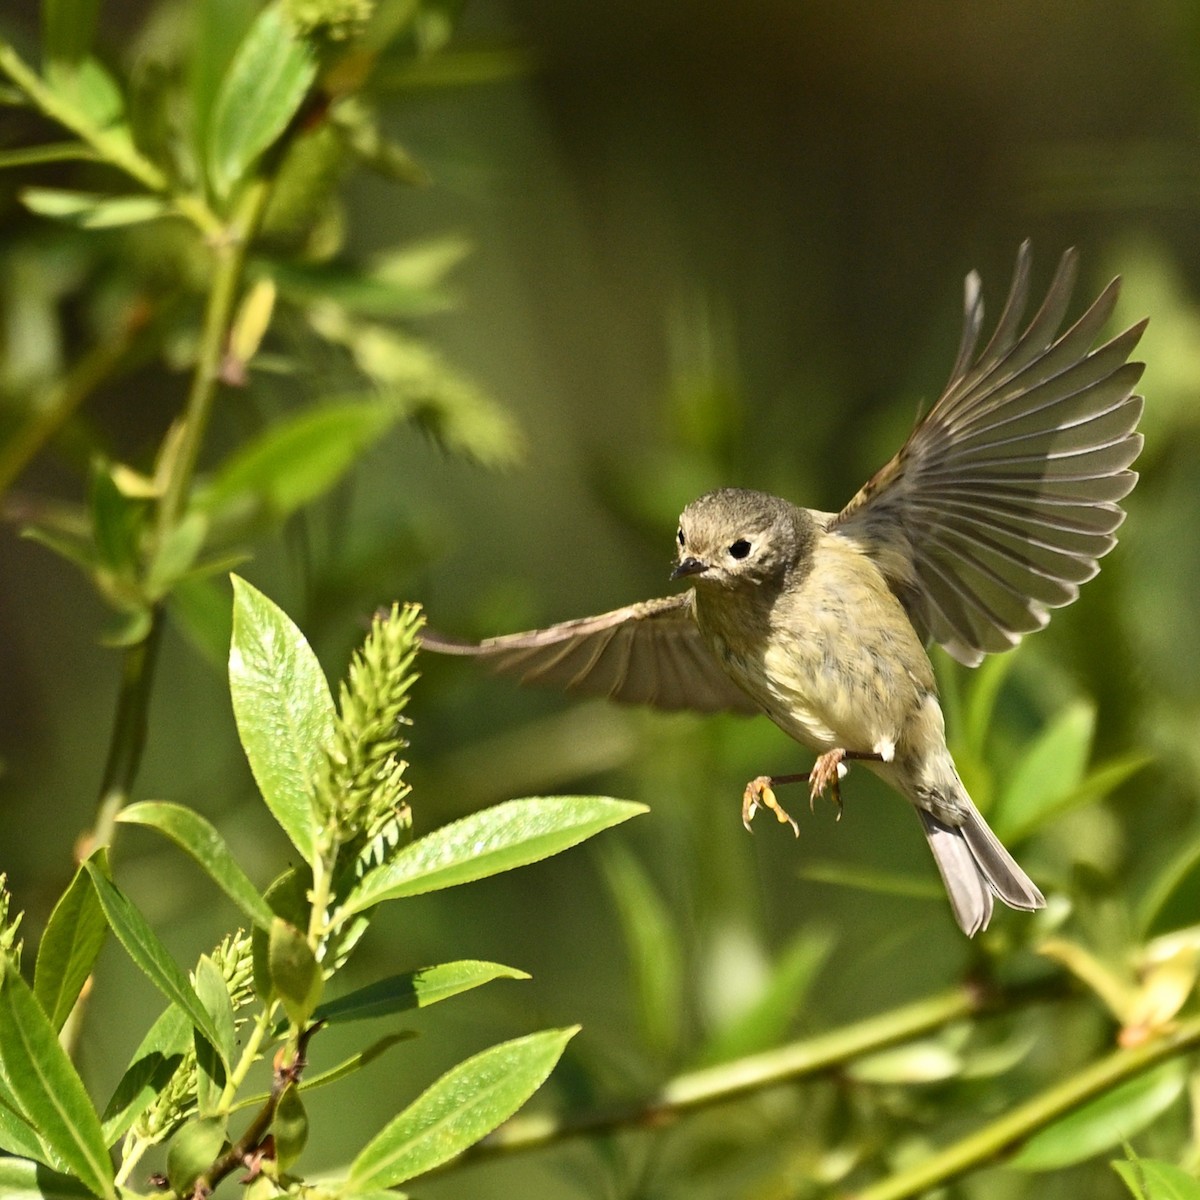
<point x="1005" y="495"/>
<point x="648" y="653"/>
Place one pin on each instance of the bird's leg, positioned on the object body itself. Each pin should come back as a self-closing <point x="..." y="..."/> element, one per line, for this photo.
<point x="829" y="769"/>
<point x="759" y="794"/>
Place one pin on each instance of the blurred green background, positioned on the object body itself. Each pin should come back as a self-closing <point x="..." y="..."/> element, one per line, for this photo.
<point x="711" y="245"/>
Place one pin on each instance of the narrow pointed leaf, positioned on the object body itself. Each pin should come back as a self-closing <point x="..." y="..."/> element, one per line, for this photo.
<point x="1151" y="1179"/>
<point x="152" y="1064"/>
<point x="21" y="1179"/>
<point x="468" y="1102"/>
<point x="486" y="843"/>
<point x="346" y="1067"/>
<point x="68" y="949"/>
<point x="211" y="1074"/>
<point x="47" y="1087"/>
<point x="262" y="91"/>
<point x="1051" y="769"/>
<point x="284" y="710"/>
<point x="197" y="836"/>
<point x="146" y="949"/>
<point x="298" y="460"/>
<point x="413" y="989"/>
<point x="295" y="973"/>
<point x="1110" y="1119"/>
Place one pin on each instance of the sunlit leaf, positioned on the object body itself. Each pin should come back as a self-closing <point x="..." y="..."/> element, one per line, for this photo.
<point x="262" y="91"/>
<point x="296" y="460"/>
<point x="46" y="1087"/>
<point x="196" y="836"/>
<point x="192" y="1151"/>
<point x="652" y="943"/>
<point x="769" y="1018"/>
<point x="284" y="710"/>
<point x="485" y="843"/>
<point x="1151" y="1179"/>
<point x="152" y="1064"/>
<point x="413" y="989"/>
<point x="295" y="973"/>
<point x="147" y="951"/>
<point x="68" y="949"/>
<point x="21" y="1179"/>
<point x="90" y="211"/>
<point x="1050" y="770"/>
<point x="1112" y="1118"/>
<point x="214" y="995"/>
<point x="468" y="1102"/>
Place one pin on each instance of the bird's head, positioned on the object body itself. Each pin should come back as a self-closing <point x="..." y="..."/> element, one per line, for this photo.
<point x="734" y="538"/>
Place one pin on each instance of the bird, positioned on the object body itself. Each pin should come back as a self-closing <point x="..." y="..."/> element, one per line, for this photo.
<point x="995" y="510"/>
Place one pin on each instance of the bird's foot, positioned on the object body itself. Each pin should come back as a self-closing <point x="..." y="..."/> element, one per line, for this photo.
<point x="828" y="772"/>
<point x="760" y="794"/>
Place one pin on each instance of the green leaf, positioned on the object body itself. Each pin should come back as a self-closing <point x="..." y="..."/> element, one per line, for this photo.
<point x="262" y="91"/>
<point x="192" y="1151"/>
<point x="214" y="995"/>
<point x="986" y="683"/>
<point x="143" y="945"/>
<point x="153" y="1063"/>
<point x="653" y="945"/>
<point x="413" y="989"/>
<point x="296" y="460"/>
<point x="360" y="291"/>
<point x="24" y="1180"/>
<point x="468" y="1102"/>
<point x="175" y="555"/>
<point x="196" y="836"/>
<point x="86" y="210"/>
<point x="290" y="1127"/>
<point x="1107" y="1121"/>
<point x="345" y="1068"/>
<point x="1151" y="1179"/>
<point x="486" y="843"/>
<point x="87" y="86"/>
<point x="295" y="973"/>
<point x="283" y="708"/>
<point x="115" y="523"/>
<point x="68" y="949"/>
<point x="47" y="1088"/>
<point x="868" y="879"/>
<point x="17" y="1136"/>
<point x="1050" y="770"/>
<point x="767" y="1021"/>
<point x="1166" y="879"/>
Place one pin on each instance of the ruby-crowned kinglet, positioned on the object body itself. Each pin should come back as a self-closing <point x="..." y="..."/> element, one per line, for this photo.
<point x="993" y="512"/>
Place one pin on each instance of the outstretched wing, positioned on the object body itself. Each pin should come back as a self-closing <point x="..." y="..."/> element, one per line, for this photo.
<point x="1005" y="495"/>
<point x="648" y="653"/>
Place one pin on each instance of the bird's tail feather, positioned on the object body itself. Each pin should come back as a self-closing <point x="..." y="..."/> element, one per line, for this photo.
<point x="975" y="867"/>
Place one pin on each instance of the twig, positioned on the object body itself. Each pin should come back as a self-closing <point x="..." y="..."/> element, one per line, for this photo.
<point x="1009" y="1131"/>
<point x="813" y="1056"/>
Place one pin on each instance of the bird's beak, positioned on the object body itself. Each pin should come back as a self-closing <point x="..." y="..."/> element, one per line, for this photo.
<point x="689" y="566"/>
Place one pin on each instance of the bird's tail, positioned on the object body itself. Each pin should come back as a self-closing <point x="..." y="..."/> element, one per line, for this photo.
<point x="975" y="867"/>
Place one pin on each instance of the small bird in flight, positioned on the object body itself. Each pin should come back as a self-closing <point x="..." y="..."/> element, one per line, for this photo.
<point x="994" y="511"/>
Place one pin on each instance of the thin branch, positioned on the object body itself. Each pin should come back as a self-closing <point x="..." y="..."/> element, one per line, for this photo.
<point x="1005" y="1134"/>
<point x="813" y="1056"/>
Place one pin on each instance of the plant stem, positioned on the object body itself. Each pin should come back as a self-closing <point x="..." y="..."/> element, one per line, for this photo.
<point x="1009" y="1131"/>
<point x="128" y="736"/>
<point x="230" y="250"/>
<point x="813" y="1056"/>
<point x="137" y="672"/>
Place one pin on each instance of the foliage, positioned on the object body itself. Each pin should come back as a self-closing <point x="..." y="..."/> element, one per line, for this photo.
<point x="229" y="300"/>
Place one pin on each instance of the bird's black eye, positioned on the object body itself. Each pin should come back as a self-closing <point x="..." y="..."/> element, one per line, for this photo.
<point x="740" y="548"/>
<point x="681" y="539"/>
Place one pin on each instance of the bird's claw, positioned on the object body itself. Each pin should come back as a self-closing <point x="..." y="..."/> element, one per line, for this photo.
<point x="759" y="794"/>
<point x="828" y="772"/>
